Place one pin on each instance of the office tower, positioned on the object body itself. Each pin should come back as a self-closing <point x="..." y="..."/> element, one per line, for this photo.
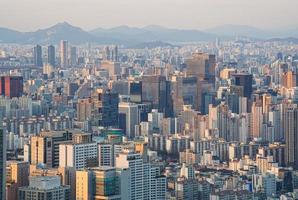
<point x="11" y="86"/>
<point x="245" y="81"/>
<point x="80" y="153"/>
<point x="290" y="125"/>
<point x="107" y="53"/>
<point x="202" y="65"/>
<point x="128" y="118"/>
<point x="51" y="56"/>
<point x="113" y="68"/>
<point x="155" y="119"/>
<point x="71" y="88"/>
<point x="184" y="92"/>
<point x="2" y="163"/>
<point x="44" y="188"/>
<point x="156" y="90"/>
<point x="105" y="108"/>
<point x="233" y="102"/>
<point x="207" y="98"/>
<point x="84" y="107"/>
<point x="73" y="56"/>
<point x="115" y="57"/>
<point x="45" y="147"/>
<point x="135" y="91"/>
<point x="37" y="52"/>
<point x="17" y="173"/>
<point x="119" y="86"/>
<point x="64" y="53"/>
<point x="67" y="175"/>
<point x="99" y="183"/>
<point x="145" y="180"/>
<point x="289" y="79"/>
<point x="84" y="185"/>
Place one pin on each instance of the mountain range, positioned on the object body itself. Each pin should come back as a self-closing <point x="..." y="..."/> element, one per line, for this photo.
<point x="130" y="36"/>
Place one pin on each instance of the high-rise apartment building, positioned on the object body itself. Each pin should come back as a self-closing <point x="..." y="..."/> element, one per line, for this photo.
<point x="106" y="154"/>
<point x="145" y="180"/>
<point x="80" y="153"/>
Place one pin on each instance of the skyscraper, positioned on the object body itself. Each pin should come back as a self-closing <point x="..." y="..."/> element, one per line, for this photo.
<point x="11" y="86"/>
<point x="37" y="54"/>
<point x="73" y="56"/>
<point x="84" y="109"/>
<point x="202" y="65"/>
<point x="64" y="53"/>
<point x="105" y="108"/>
<point x="184" y="92"/>
<point x="2" y="164"/>
<point x="112" y="67"/>
<point x="128" y="118"/>
<point x="115" y="54"/>
<point x="245" y="81"/>
<point x="156" y="90"/>
<point x="107" y="53"/>
<point x="290" y="124"/>
<point x="51" y="55"/>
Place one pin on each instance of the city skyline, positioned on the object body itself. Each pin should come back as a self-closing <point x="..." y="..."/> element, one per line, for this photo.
<point x="189" y="14"/>
<point x="148" y="100"/>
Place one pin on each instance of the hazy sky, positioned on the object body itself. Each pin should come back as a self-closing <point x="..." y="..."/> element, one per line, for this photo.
<point x="28" y="15"/>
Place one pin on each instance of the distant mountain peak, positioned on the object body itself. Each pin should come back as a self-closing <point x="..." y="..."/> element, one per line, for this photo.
<point x="153" y="27"/>
<point x="127" y="35"/>
<point x="64" y="25"/>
